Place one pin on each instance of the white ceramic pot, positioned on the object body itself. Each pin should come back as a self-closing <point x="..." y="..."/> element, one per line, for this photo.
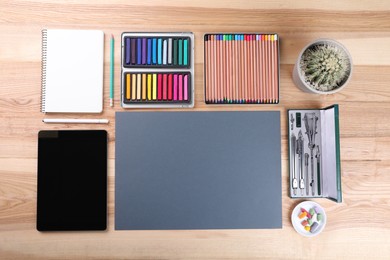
<point x="299" y="75"/>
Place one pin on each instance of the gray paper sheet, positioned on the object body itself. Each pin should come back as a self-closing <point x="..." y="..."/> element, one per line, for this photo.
<point x="197" y="170"/>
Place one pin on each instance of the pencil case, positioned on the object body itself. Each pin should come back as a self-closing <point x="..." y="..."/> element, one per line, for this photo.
<point x="314" y="153"/>
<point x="157" y="70"/>
<point x="241" y="68"/>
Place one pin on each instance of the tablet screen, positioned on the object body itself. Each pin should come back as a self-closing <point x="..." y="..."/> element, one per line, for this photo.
<point x="72" y="180"/>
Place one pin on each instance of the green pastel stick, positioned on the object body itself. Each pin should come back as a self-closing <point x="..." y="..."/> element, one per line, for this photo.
<point x="180" y="52"/>
<point x="185" y="52"/>
<point x="175" y="52"/>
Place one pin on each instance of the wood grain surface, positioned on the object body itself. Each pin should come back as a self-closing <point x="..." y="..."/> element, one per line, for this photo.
<point x="357" y="228"/>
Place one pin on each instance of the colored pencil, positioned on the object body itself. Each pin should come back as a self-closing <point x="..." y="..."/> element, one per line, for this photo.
<point x="241" y="69"/>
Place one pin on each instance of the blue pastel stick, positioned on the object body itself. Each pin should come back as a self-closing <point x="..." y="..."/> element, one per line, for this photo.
<point x="149" y="60"/>
<point x="139" y="51"/>
<point x="127" y="50"/>
<point x="154" y="47"/>
<point x="143" y="50"/>
<point x="159" y="51"/>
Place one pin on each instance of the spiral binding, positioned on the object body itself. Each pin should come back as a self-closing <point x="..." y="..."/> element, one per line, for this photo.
<point x="43" y="70"/>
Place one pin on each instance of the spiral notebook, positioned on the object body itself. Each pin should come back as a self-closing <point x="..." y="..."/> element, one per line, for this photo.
<point x="72" y="71"/>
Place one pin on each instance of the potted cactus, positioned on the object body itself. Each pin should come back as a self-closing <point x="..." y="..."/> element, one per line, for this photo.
<point x="323" y="67"/>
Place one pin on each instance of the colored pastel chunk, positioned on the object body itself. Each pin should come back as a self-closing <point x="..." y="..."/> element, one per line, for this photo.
<point x="319" y="217"/>
<point x="307" y="228"/>
<point x="316" y="210"/>
<point x="314" y="227"/>
<point x="312" y="212"/>
<point x="310" y="221"/>
<point x="304" y="223"/>
<point x="302" y="215"/>
<point x="307" y="213"/>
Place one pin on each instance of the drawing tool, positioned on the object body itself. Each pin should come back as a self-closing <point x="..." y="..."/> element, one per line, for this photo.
<point x="132" y="42"/>
<point x="154" y="50"/>
<point x="75" y="121"/>
<point x="127" y="51"/>
<point x="175" y="97"/>
<point x="143" y="86"/>
<point x="133" y="86"/>
<point x="128" y="86"/>
<point x="180" y="87"/>
<point x="175" y="52"/>
<point x="165" y="52"/>
<point x="149" y="86"/>
<point x="318" y="171"/>
<point x="159" y="86"/>
<point x="180" y="52"/>
<point x="139" y="51"/>
<point x="170" y="87"/>
<point x="138" y="86"/>
<point x="112" y="71"/>
<point x="300" y="159"/>
<point x="185" y="87"/>
<point x="143" y="51"/>
<point x="294" y="177"/>
<point x="185" y="52"/>
<point x="154" y="81"/>
<point x="159" y="51"/>
<point x="149" y="60"/>
<point x="165" y="86"/>
<point x="170" y="51"/>
<point x="207" y="66"/>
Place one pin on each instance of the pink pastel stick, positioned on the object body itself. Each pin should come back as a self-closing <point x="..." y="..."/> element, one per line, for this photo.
<point x="180" y="87"/>
<point x="185" y="87"/>
<point x="175" y="87"/>
<point x="165" y="87"/>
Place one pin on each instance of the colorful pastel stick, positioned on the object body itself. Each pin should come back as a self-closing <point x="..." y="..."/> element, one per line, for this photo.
<point x="128" y="86"/>
<point x="174" y="52"/>
<point x="165" y="52"/>
<point x="132" y="43"/>
<point x="159" y="86"/>
<point x="165" y="86"/>
<point x="139" y="51"/>
<point x="180" y="52"/>
<point x="133" y="86"/>
<point x="170" y="51"/>
<point x="143" y="86"/>
<point x="149" y="86"/>
<point x="185" y="52"/>
<point x="170" y="87"/>
<point x="180" y="87"/>
<point x="175" y="86"/>
<point x="154" y="95"/>
<point x="159" y="51"/>
<point x="127" y="51"/>
<point x="185" y="87"/>
<point x="154" y="49"/>
<point x="143" y="50"/>
<point x="138" y="86"/>
<point x="149" y="60"/>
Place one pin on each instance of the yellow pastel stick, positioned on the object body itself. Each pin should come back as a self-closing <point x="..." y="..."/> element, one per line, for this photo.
<point x="133" y="86"/>
<point x="143" y="86"/>
<point x="127" y="86"/>
<point x="138" y="86"/>
<point x="154" y="86"/>
<point x="149" y="86"/>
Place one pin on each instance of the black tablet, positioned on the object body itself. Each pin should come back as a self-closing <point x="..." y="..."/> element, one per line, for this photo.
<point x="72" y="180"/>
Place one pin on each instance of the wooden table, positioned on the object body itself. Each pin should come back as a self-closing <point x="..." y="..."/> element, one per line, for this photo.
<point x="359" y="227"/>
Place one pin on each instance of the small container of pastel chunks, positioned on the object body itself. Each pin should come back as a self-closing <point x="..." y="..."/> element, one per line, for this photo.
<point x="308" y="218"/>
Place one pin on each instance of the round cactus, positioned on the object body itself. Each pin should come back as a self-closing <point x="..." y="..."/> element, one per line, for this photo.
<point x="325" y="66"/>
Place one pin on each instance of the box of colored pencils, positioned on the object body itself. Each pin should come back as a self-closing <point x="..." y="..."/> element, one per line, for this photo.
<point x="241" y="68"/>
<point x="157" y="70"/>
